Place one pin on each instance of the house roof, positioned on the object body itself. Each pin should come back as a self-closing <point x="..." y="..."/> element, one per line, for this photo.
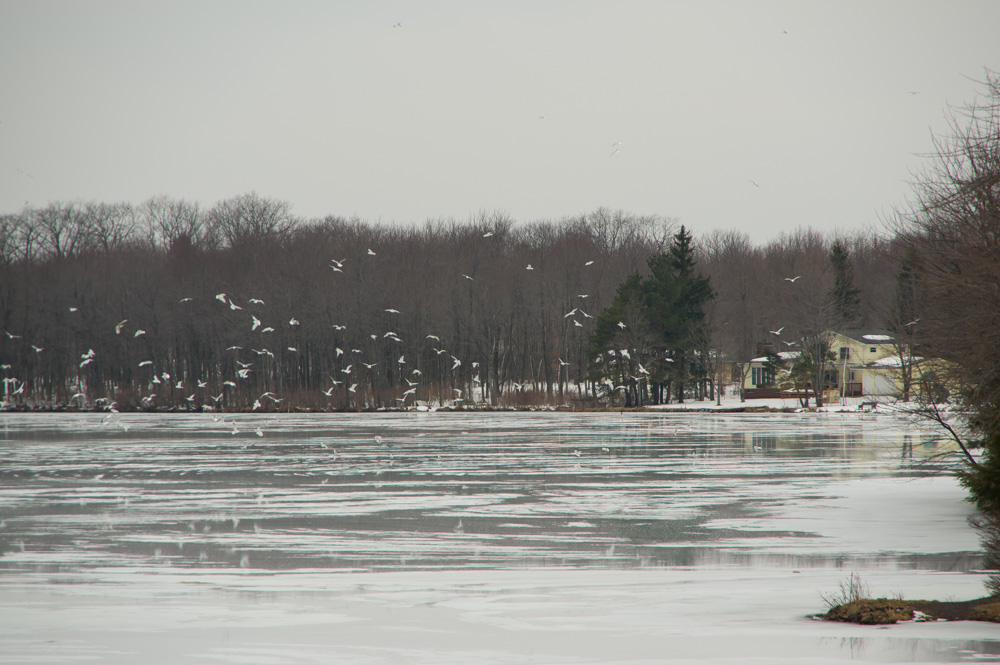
<point x="893" y="361"/>
<point x="782" y="355"/>
<point x="868" y="335"/>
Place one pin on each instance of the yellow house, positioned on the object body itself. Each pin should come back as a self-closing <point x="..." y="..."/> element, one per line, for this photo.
<point x="866" y="363"/>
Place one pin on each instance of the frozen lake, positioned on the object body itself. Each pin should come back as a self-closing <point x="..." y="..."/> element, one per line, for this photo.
<point x="474" y="538"/>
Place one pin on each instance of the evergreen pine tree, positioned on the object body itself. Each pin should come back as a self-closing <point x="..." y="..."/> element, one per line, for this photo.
<point x="671" y="303"/>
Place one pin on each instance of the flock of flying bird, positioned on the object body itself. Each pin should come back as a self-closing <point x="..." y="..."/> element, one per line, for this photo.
<point x="13" y="387"/>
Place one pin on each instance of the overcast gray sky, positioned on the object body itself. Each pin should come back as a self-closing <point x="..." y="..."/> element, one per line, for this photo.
<point x="516" y="106"/>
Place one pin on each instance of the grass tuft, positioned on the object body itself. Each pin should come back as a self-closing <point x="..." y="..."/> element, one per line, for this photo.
<point x="851" y="590"/>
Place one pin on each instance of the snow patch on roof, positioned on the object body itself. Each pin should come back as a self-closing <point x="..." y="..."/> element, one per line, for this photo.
<point x="893" y="361"/>
<point x="782" y="355"/>
<point x="877" y="338"/>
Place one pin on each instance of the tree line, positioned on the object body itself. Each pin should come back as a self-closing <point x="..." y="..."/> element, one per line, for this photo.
<point x="168" y="305"/>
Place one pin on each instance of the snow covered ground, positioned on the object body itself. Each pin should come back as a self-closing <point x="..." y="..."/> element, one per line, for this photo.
<point x="475" y="538"/>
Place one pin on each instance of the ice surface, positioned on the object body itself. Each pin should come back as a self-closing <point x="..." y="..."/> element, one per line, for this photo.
<point x="475" y="538"/>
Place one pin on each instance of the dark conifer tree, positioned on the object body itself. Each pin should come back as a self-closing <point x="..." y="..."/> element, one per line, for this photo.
<point x="671" y="306"/>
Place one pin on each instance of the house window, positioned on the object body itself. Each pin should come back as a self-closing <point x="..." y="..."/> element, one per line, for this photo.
<point x="761" y="376"/>
<point x="845" y="353"/>
<point x="852" y="376"/>
<point x="873" y="349"/>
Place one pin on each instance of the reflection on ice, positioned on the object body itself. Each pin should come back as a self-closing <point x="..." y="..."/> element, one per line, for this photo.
<point x="388" y="491"/>
<point x="466" y="511"/>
